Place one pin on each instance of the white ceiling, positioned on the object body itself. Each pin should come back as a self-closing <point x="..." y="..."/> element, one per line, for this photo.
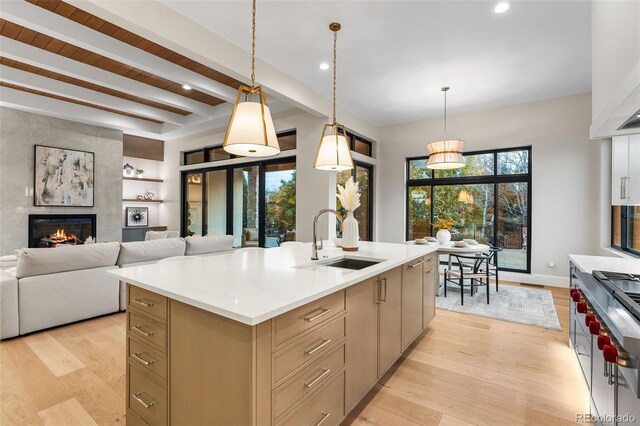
<point x="393" y="56"/>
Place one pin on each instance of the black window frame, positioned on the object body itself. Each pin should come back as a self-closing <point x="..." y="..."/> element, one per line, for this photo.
<point x="624" y="236"/>
<point x="371" y="170"/>
<point x="493" y="179"/>
<point x="351" y="137"/>
<point x="262" y="202"/>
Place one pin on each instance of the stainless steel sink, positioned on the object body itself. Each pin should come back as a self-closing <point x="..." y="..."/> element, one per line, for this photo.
<point x="351" y="263"/>
<point x="343" y="262"/>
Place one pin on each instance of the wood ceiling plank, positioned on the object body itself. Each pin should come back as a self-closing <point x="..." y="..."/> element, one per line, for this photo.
<point x="68" y="50"/>
<point x="41" y="41"/>
<point x="80" y="16"/>
<point x="47" y="4"/>
<point x="10" y="29"/>
<point x="54" y="46"/>
<point x="108" y="28"/>
<point x="26" y="35"/>
<point x="64" y="9"/>
<point x="94" y="23"/>
<point x="80" y="55"/>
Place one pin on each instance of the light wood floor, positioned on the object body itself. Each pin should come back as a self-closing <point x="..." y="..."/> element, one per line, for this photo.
<point x="465" y="370"/>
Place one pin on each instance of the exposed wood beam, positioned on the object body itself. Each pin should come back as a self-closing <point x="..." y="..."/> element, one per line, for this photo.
<point x="35" y="81"/>
<point x="41" y="58"/>
<point x="43" y="21"/>
<point x="25" y="101"/>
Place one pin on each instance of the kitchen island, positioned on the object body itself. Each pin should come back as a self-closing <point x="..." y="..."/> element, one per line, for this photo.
<point x="260" y="337"/>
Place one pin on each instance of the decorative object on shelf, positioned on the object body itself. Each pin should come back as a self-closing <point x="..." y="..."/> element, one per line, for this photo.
<point x="194" y="179"/>
<point x="443" y="226"/>
<point x="149" y="195"/>
<point x="128" y="170"/>
<point x="137" y="216"/>
<point x="349" y="196"/>
<point x="63" y="177"/>
<point x="139" y="173"/>
<point x="90" y="240"/>
<point x="465" y="197"/>
<point x="447" y="153"/>
<point x="140" y="197"/>
<point x="251" y="132"/>
<point x="334" y="153"/>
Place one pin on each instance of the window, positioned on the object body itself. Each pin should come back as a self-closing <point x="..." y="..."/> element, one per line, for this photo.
<point x="625" y="229"/>
<point x="363" y="175"/>
<point x="255" y="202"/>
<point x="488" y="200"/>
<point x="287" y="141"/>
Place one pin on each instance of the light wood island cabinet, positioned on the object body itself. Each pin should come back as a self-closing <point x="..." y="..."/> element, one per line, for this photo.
<point x="308" y="366"/>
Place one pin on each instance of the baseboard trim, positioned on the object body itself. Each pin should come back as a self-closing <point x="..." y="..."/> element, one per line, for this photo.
<point x="538" y="279"/>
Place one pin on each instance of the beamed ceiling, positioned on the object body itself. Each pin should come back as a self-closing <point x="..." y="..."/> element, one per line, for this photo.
<point x="59" y="60"/>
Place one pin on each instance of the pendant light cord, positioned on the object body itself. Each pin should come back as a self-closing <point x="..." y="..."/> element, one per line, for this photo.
<point x="445" y="116"/>
<point x="253" y="45"/>
<point x="335" y="40"/>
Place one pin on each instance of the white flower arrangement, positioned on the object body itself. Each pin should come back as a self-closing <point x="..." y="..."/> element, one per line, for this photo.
<point x="349" y="195"/>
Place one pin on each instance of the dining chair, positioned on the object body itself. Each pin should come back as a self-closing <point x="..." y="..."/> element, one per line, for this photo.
<point x="472" y="268"/>
<point x="492" y="263"/>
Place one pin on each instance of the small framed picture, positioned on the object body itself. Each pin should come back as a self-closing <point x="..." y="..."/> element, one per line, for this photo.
<point x="137" y="216"/>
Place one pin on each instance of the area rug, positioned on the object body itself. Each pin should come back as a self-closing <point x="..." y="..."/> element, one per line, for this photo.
<point x="514" y="304"/>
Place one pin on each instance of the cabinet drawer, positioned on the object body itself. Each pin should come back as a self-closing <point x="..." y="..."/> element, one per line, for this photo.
<point x="430" y="261"/>
<point x="144" y="356"/>
<point x="299" y="320"/>
<point x="133" y="419"/>
<point x="307" y="349"/>
<point x="325" y="407"/>
<point x="308" y="380"/>
<point x="148" y="302"/>
<point x="147" y="397"/>
<point x="149" y="330"/>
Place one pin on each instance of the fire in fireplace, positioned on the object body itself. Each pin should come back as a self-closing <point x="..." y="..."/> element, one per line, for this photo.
<point x="54" y="230"/>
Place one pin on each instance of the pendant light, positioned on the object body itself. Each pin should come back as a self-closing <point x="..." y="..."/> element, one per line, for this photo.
<point x="447" y="153"/>
<point x="333" y="152"/>
<point x="251" y="132"/>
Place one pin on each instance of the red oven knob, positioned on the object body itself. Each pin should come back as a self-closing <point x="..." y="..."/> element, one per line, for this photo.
<point x="575" y="296"/>
<point x="602" y="341"/>
<point x="582" y="307"/>
<point x="609" y="353"/>
<point x="594" y="328"/>
<point x="572" y="291"/>
<point x="588" y="319"/>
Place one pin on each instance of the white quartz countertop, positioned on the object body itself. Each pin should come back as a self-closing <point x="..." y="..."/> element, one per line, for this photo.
<point x="252" y="285"/>
<point x="589" y="264"/>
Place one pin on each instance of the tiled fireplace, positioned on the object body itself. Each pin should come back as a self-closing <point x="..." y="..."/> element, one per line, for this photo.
<point x="50" y="230"/>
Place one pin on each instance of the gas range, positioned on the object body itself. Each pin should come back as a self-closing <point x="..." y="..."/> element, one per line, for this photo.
<point x="625" y="288"/>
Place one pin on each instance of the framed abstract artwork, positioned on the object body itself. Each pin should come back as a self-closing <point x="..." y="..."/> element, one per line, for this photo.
<point x="137" y="216"/>
<point x="63" y="177"/>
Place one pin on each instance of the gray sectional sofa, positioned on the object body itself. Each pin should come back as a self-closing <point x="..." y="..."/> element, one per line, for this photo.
<point x="51" y="287"/>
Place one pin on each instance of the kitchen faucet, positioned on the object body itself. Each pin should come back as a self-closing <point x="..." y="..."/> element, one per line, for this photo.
<point x="314" y="245"/>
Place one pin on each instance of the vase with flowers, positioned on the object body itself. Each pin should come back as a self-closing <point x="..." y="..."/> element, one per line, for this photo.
<point x="349" y="196"/>
<point x="444" y="227"/>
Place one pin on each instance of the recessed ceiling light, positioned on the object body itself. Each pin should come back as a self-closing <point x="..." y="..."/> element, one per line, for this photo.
<point x="501" y="7"/>
<point x="186" y="87"/>
<point x="324" y="66"/>
<point x="638" y="115"/>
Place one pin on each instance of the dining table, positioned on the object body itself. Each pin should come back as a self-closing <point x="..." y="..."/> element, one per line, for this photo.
<point x="450" y="248"/>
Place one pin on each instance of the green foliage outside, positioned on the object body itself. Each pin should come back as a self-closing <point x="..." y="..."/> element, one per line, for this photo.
<point x="281" y="207"/>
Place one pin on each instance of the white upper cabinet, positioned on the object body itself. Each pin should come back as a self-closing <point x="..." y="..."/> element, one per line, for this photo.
<point x="625" y="170"/>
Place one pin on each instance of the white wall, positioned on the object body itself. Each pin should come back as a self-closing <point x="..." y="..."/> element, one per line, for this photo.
<point x="315" y="189"/>
<point x="565" y="166"/>
<point x="19" y="132"/>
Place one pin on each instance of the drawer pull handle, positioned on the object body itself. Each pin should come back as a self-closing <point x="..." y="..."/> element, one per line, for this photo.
<point x="146" y="405"/>
<point x="415" y="265"/>
<point x="139" y="329"/>
<point x="325" y="416"/>
<point x="324" y="343"/>
<point x="323" y="311"/>
<point x="138" y="358"/>
<point x="145" y="304"/>
<point x="310" y="384"/>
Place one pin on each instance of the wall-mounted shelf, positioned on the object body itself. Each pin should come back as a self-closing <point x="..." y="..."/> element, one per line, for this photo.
<point x="133" y="200"/>
<point x="143" y="179"/>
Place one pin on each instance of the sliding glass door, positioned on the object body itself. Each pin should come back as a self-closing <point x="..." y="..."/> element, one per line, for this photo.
<point x="256" y="203"/>
<point x="280" y="203"/>
<point x="363" y="175"/>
